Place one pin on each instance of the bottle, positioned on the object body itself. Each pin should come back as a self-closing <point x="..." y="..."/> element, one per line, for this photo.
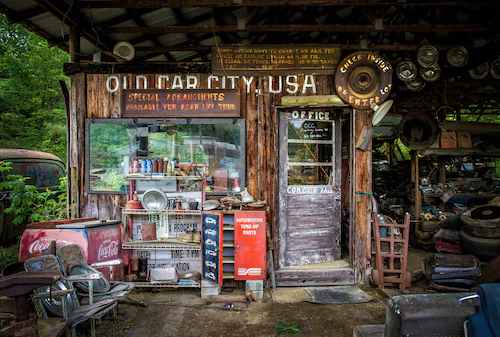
<point x="173" y="161"/>
<point x="169" y="168"/>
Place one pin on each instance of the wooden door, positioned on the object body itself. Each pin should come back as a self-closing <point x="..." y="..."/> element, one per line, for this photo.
<point x="309" y="186"/>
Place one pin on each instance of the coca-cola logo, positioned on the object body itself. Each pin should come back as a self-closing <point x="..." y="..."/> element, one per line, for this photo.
<point x="44" y="243"/>
<point x="107" y="249"/>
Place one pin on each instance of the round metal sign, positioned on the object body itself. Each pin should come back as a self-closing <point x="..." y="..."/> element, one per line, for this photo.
<point x="363" y="79"/>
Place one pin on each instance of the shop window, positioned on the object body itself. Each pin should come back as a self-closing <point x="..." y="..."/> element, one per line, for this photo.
<point x="114" y="144"/>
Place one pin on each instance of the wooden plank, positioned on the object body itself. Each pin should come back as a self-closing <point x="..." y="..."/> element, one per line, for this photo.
<point x="460" y="152"/>
<point x="308" y="201"/>
<point x="294" y="278"/>
<point x="253" y="147"/>
<point x="74" y="43"/>
<point x="335" y="28"/>
<point x="181" y="103"/>
<point x="274" y="59"/>
<point x="362" y="206"/>
<point x="298" y="222"/>
<point x="132" y="68"/>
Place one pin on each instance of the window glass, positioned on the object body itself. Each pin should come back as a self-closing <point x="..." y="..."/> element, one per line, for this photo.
<point x="310" y="175"/>
<point x="218" y="146"/>
<point x="42" y="174"/>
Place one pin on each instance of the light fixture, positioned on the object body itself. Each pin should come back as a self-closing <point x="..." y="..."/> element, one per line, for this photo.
<point x="125" y="50"/>
<point x="380" y="111"/>
<point x="480" y="72"/>
<point x="406" y="71"/>
<point x="495" y="69"/>
<point x="430" y="74"/>
<point x="427" y="56"/>
<point x="416" y="85"/>
<point x="457" y="56"/>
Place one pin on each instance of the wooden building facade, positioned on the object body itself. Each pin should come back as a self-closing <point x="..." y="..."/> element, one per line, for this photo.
<point x="97" y="94"/>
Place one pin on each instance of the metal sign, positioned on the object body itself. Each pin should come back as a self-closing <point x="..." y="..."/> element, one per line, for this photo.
<point x="363" y="79"/>
<point x="211" y="244"/>
<point x="274" y="60"/>
<point x="181" y="103"/>
<point x="250" y="246"/>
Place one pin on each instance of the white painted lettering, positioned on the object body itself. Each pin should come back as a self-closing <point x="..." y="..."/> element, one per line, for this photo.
<point x="209" y="81"/>
<point x="248" y="82"/>
<point x="291" y="81"/>
<point x="280" y="85"/>
<point x="108" y="84"/>
<point x="191" y="82"/>
<point x="138" y="79"/>
<point x="160" y="81"/>
<point x="309" y="83"/>
<point x="177" y="84"/>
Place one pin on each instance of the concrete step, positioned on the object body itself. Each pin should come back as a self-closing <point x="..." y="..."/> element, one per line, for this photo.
<point x="296" y="277"/>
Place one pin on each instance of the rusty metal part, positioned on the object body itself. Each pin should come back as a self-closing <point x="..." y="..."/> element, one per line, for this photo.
<point x="418" y="131"/>
<point x="430" y="74"/>
<point x="363" y="79"/>
<point x="416" y="84"/>
<point x="482" y="221"/>
<point x="457" y="56"/>
<point x="427" y="56"/>
<point x="26" y="154"/>
<point x="406" y="71"/>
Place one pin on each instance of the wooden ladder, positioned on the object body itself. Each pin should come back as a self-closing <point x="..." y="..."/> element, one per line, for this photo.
<point x="396" y="259"/>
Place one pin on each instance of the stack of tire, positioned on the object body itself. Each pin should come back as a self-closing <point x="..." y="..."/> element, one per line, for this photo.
<point x="481" y="230"/>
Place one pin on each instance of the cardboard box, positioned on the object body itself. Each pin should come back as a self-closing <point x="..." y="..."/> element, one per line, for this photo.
<point x="464" y="140"/>
<point x="448" y="139"/>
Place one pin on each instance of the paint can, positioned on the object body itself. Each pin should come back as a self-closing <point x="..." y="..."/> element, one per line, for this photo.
<point x="149" y="166"/>
<point x="134" y="264"/>
<point x="142" y="166"/>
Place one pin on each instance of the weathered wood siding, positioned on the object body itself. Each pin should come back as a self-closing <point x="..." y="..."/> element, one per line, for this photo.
<point x="91" y="99"/>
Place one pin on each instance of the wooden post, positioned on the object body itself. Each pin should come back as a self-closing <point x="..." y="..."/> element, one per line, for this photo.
<point x="78" y="107"/>
<point x="418" y="197"/>
<point x="362" y="200"/>
<point x="74" y="44"/>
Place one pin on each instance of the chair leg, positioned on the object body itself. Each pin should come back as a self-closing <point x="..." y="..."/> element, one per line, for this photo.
<point x="92" y="327"/>
<point x="115" y="313"/>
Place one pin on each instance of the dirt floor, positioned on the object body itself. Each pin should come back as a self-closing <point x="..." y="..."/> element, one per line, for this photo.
<point x="170" y="313"/>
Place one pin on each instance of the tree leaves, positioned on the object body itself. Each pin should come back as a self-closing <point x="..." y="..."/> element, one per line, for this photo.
<point x="32" y="114"/>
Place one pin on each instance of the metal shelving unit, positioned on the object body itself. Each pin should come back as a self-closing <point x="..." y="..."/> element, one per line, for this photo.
<point x="165" y="245"/>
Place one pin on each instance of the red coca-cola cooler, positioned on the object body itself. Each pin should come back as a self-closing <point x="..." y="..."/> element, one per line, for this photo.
<point x="101" y="240"/>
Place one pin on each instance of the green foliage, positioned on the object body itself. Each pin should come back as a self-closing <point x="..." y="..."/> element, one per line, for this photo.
<point x="284" y="327"/>
<point x="32" y="113"/>
<point x="29" y="204"/>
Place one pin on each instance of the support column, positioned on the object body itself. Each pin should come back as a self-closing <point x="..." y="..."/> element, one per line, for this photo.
<point x="74" y="44"/>
<point x="361" y="199"/>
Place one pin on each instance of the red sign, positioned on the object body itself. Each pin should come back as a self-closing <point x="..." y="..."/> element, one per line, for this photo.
<point x="250" y="246"/>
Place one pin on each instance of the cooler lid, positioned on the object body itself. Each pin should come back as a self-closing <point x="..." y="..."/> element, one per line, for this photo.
<point x="89" y="224"/>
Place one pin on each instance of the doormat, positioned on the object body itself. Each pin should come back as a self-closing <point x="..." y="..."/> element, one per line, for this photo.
<point x="337" y="295"/>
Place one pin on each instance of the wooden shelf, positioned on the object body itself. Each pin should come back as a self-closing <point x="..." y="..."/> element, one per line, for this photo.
<point x="460" y="152"/>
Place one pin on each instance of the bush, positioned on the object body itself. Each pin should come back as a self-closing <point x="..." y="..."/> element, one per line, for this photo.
<point x="29" y="204"/>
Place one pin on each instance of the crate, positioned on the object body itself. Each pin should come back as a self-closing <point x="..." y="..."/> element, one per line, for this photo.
<point x="464" y="140"/>
<point x="448" y="139"/>
<point x="209" y="289"/>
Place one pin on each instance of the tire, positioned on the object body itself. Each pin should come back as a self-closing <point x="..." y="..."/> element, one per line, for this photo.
<point x="483" y="222"/>
<point x="481" y="246"/>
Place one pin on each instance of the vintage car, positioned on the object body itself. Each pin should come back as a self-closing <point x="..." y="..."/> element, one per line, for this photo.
<point x="43" y="170"/>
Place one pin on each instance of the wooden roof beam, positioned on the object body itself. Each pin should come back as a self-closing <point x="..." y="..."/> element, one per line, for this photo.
<point x="11" y="15"/>
<point x="463" y="28"/>
<point x="28" y="13"/>
<point x="140" y="21"/>
<point x="182" y="19"/>
<point x="73" y="18"/>
<point x="122" y="18"/>
<point x="254" y="3"/>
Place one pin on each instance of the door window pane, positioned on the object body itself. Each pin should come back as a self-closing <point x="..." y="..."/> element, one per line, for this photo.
<point x="309" y="129"/>
<point x="303" y="153"/>
<point x="310" y="175"/>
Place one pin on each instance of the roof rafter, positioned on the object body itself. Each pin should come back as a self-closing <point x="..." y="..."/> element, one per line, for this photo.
<point x="233" y="3"/>
<point x="464" y="28"/>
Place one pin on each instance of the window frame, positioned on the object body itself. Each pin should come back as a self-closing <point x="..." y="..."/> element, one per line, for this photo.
<point x="151" y="121"/>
